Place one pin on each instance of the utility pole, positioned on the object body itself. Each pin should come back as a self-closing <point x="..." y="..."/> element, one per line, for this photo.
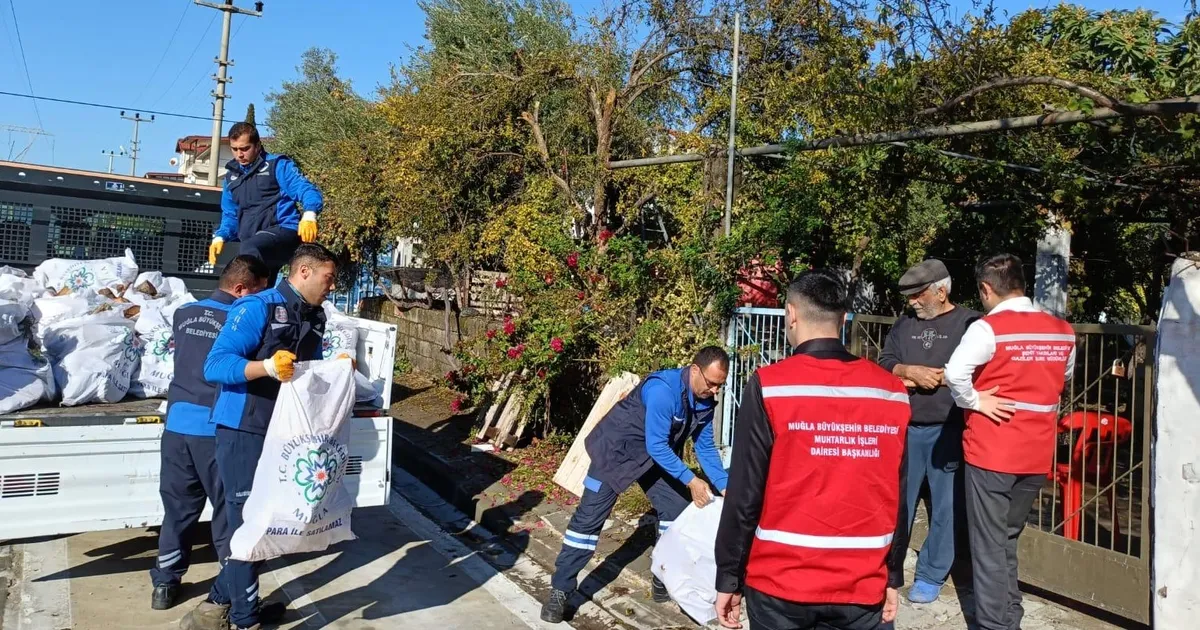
<point x="737" y="33"/>
<point x="134" y="145"/>
<point x="33" y="133"/>
<point x="223" y="63"/>
<point x="111" y="155"/>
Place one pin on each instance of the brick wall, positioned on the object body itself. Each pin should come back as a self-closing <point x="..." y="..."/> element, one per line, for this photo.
<point x="421" y="333"/>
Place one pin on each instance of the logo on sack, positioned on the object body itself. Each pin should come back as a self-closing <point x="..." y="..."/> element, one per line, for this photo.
<point x="330" y="343"/>
<point x="80" y="278"/>
<point x="131" y="348"/>
<point x="315" y="472"/>
<point x="281" y="314"/>
<point x="164" y="345"/>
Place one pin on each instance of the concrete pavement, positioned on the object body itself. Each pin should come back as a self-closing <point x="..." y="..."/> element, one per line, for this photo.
<point x="403" y="571"/>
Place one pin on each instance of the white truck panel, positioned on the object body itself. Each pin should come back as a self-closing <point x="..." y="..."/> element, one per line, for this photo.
<point x="105" y="475"/>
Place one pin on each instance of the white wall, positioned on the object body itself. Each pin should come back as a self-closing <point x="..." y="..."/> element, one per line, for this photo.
<point x="1176" y="455"/>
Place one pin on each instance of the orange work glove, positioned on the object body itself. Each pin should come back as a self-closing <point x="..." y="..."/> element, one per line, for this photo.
<point x="214" y="250"/>
<point x="308" y="227"/>
<point x="281" y="367"/>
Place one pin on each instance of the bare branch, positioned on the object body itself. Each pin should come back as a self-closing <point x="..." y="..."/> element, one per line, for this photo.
<point x="539" y="139"/>
<point x="635" y="76"/>
<point x="1100" y="98"/>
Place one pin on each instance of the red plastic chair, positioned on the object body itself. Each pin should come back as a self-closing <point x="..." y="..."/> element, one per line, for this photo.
<point x="1097" y="434"/>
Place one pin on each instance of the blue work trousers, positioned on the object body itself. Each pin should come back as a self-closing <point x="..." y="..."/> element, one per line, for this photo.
<point x="188" y="478"/>
<point x="237" y="585"/>
<point x="935" y="456"/>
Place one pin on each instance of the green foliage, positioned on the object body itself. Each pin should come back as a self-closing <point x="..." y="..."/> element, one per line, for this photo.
<point x="491" y="147"/>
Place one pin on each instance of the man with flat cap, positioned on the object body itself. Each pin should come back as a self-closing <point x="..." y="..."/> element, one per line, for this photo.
<point x="916" y="349"/>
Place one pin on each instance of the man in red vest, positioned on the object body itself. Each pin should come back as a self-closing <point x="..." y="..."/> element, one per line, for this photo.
<point x="1008" y="373"/>
<point x="813" y="531"/>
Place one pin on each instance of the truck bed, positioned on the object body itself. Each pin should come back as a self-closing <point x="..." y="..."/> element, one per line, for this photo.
<point x="128" y="411"/>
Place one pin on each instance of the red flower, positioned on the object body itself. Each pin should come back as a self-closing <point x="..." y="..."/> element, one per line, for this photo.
<point x="580" y="296"/>
<point x="556" y="344"/>
<point x="573" y="260"/>
<point x="549" y="278"/>
<point x="515" y="351"/>
<point x="509" y="328"/>
<point x="605" y="235"/>
<point x="451" y="376"/>
<point x="501" y="283"/>
<point x="542" y="373"/>
<point x="491" y="333"/>
<point x="468" y="368"/>
<point x="456" y="405"/>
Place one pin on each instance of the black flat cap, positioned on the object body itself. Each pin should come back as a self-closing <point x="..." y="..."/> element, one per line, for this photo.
<point x="922" y="275"/>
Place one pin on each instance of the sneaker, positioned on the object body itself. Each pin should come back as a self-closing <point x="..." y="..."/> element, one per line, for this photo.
<point x="206" y="616"/>
<point x="923" y="592"/>
<point x="658" y="591"/>
<point x="555" y="607"/>
<point x="164" y="596"/>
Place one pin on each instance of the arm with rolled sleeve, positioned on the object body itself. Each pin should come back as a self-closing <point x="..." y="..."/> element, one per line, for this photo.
<point x="977" y="347"/>
<point x="228" y="229"/>
<point x="710" y="458"/>
<point x="297" y="187"/>
<point x="237" y="343"/>
<point x="752" y="444"/>
<point x="659" y="401"/>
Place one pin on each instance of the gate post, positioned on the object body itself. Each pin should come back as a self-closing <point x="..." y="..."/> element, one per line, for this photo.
<point x="1176" y="452"/>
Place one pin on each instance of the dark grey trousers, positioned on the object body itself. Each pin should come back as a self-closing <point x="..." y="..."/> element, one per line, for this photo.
<point x="998" y="505"/>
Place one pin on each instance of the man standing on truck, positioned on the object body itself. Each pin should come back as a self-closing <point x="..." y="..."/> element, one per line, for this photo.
<point x="258" y="205"/>
<point x="641" y="440"/>
<point x="265" y="335"/>
<point x="189" y="465"/>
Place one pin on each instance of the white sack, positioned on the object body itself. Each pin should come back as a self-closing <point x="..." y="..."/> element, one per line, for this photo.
<point x="23" y="377"/>
<point x="114" y="274"/>
<point x="341" y="335"/>
<point x="93" y="357"/>
<point x="17" y="294"/>
<point x="683" y="559"/>
<point x="49" y="311"/>
<point x="298" y="503"/>
<point x="152" y="376"/>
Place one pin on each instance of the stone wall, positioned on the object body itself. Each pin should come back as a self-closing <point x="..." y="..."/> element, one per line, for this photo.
<point x="421" y="333"/>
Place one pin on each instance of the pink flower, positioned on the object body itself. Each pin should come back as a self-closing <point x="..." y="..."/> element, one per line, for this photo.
<point x="491" y="333"/>
<point x="542" y="374"/>
<point x="605" y="235"/>
<point x="451" y="376"/>
<point x="556" y="344"/>
<point x="468" y="368"/>
<point x="573" y="260"/>
<point x="581" y="296"/>
<point x="501" y="283"/>
<point x="456" y="405"/>
<point x="549" y="278"/>
<point x="509" y="328"/>
<point x="514" y="352"/>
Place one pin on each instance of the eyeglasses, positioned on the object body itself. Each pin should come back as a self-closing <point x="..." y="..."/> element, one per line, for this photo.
<point x="710" y="385"/>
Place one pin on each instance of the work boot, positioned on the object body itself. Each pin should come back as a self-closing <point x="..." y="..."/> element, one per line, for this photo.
<point x="555" y="607"/>
<point x="658" y="591"/>
<point x="271" y="613"/>
<point x="206" y="616"/>
<point x="164" y="596"/>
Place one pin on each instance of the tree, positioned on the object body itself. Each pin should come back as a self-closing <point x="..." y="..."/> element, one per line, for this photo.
<point x="250" y="114"/>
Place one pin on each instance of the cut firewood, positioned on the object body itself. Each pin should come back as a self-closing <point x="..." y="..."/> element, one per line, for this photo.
<point x="575" y="466"/>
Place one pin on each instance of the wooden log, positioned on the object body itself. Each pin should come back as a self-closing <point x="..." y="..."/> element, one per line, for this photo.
<point x="493" y="408"/>
<point x="508" y="418"/>
<point x="575" y="466"/>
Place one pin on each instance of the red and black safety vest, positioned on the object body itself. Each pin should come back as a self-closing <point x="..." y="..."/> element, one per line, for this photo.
<point x="1029" y="366"/>
<point x="833" y="486"/>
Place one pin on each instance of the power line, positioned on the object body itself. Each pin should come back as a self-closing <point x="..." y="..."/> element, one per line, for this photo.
<point x="24" y="62"/>
<point x="187" y="63"/>
<point x="105" y="106"/>
<point x="187" y="5"/>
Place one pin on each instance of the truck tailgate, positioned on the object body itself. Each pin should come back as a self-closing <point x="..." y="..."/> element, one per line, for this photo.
<point x="70" y="479"/>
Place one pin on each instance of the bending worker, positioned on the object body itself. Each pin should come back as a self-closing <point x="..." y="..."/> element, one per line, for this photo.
<point x="1008" y="373"/>
<point x="641" y="440"/>
<point x="916" y="349"/>
<point x="266" y="333"/>
<point x="258" y="205"/>
<point x="813" y="531"/>
<point x="189" y="465"/>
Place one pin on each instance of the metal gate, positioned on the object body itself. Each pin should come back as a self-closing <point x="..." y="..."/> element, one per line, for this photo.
<point x="1088" y="535"/>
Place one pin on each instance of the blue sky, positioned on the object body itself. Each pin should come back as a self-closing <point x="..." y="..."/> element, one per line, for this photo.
<point x="107" y="51"/>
